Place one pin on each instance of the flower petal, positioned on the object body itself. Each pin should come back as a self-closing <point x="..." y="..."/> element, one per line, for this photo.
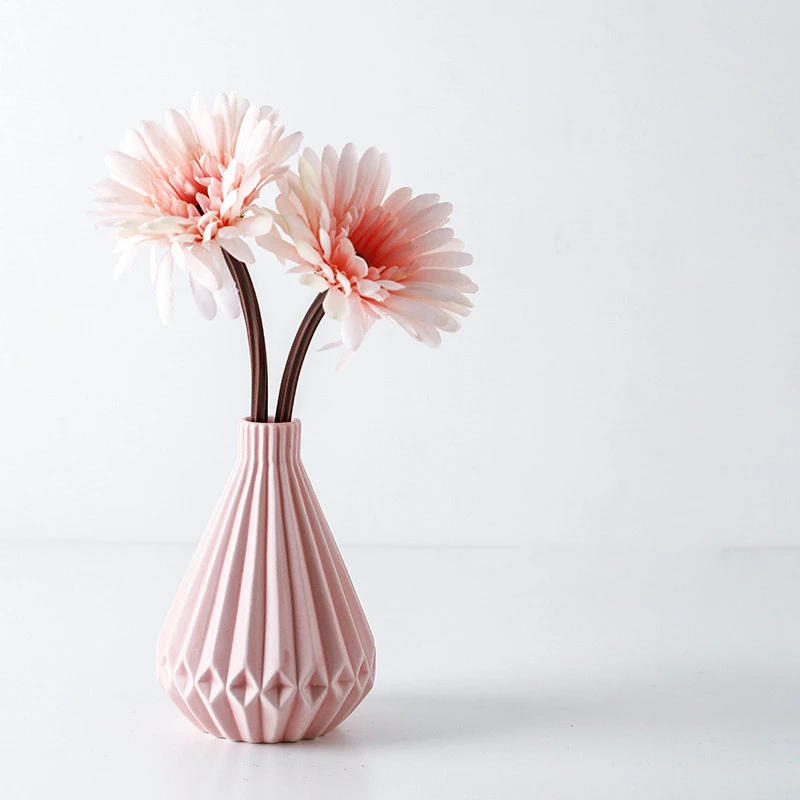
<point x="255" y="225"/>
<point x="228" y="300"/>
<point x="126" y="261"/>
<point x="336" y="305"/>
<point x="345" y="178"/>
<point x="203" y="264"/>
<point x="180" y="129"/>
<point x="163" y="288"/>
<point x="315" y="281"/>
<point x="273" y="242"/>
<point x="380" y="183"/>
<point x="354" y="325"/>
<point x="239" y="250"/>
<point x="446" y="259"/>
<point x="204" y="299"/>
<point x="161" y="144"/>
<point x="428" y="219"/>
<point x="129" y="171"/>
<point x="367" y="167"/>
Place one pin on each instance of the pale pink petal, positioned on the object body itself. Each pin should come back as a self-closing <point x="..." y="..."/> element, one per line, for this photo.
<point x="345" y="179"/>
<point x="246" y="128"/>
<point x="428" y="219"/>
<point x="202" y="263"/>
<point x="380" y="182"/>
<point x="335" y="304"/>
<point x="433" y="240"/>
<point x="309" y="180"/>
<point x="367" y="168"/>
<point x="325" y="242"/>
<point x="367" y="288"/>
<point x="126" y="241"/>
<point x="446" y="259"/>
<point x="397" y="199"/>
<point x="286" y="147"/>
<point x="165" y="225"/>
<point x="449" y="324"/>
<point x="432" y="292"/>
<point x="280" y="247"/>
<point x="163" y="288"/>
<point x="128" y="171"/>
<point x="415" y="206"/>
<point x="444" y="277"/>
<point x="203" y="298"/>
<point x="354" y="325"/>
<point x="125" y="261"/>
<point x="328" y="168"/>
<point x="231" y="176"/>
<point x="230" y="207"/>
<point x="161" y="145"/>
<point x="113" y="191"/>
<point x="315" y="281"/>
<point x="134" y="145"/>
<point x="255" y="225"/>
<point x="223" y="123"/>
<point x="313" y="159"/>
<point x="345" y="358"/>
<point x="154" y="262"/>
<point x="180" y="130"/>
<point x="228" y="300"/>
<point x="239" y="250"/>
<point x="258" y="140"/>
<point x="462" y="308"/>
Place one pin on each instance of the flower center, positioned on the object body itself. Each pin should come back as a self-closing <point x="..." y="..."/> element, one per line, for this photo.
<point x="190" y="189"/>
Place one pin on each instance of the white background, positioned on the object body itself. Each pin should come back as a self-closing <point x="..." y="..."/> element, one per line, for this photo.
<point x="625" y="174"/>
<point x="575" y="527"/>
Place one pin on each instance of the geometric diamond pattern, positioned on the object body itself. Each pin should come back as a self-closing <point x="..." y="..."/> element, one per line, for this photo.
<point x="279" y="690"/>
<point x="266" y="640"/>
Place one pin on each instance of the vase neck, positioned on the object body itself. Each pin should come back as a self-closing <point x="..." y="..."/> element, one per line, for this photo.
<point x="269" y="442"/>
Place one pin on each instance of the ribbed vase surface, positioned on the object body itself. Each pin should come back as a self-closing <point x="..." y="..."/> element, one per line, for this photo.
<point x="266" y="640"/>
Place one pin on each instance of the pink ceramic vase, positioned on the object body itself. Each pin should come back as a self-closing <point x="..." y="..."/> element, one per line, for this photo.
<point x="266" y="640"/>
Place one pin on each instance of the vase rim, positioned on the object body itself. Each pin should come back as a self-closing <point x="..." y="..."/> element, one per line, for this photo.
<point x="272" y="442"/>
<point x="295" y="422"/>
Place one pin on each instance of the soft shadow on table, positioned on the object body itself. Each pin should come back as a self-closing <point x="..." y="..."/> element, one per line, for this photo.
<point x="711" y="697"/>
<point x="430" y="714"/>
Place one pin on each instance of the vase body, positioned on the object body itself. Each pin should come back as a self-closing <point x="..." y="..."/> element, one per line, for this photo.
<point x="266" y="640"/>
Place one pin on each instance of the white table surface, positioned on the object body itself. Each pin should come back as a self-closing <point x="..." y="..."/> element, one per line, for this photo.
<point x="502" y="673"/>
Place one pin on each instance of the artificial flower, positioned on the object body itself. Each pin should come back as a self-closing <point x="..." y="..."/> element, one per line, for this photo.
<point x="375" y="256"/>
<point x="187" y="190"/>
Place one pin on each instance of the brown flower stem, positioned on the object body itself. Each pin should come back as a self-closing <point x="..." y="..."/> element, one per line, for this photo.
<point x="294" y="362"/>
<point x="255" y="337"/>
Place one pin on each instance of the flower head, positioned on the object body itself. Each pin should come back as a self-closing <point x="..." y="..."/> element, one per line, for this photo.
<point x="188" y="189"/>
<point x="377" y="257"/>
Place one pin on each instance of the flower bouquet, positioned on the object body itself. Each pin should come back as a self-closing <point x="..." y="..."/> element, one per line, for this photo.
<point x="266" y="640"/>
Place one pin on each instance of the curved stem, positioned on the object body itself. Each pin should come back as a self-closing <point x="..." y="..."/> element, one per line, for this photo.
<point x="255" y="337"/>
<point x="294" y="362"/>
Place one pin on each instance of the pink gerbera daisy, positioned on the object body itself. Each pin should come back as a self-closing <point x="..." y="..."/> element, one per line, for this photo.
<point x="375" y="256"/>
<point x="188" y="189"/>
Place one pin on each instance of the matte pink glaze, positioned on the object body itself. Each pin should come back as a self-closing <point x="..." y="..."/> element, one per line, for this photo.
<point x="266" y="640"/>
